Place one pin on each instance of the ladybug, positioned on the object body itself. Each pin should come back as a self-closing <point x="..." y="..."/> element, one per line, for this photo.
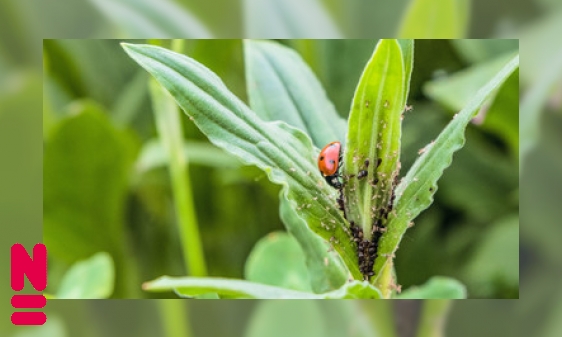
<point x="329" y="161"/>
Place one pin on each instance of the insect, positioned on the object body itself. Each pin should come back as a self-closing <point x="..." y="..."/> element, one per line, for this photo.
<point x="329" y="161"/>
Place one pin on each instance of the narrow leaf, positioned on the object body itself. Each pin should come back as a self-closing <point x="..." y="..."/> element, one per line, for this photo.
<point x="232" y="288"/>
<point x="373" y="138"/>
<point x="416" y="189"/>
<point x="283" y="152"/>
<point x="436" y="19"/>
<point x="282" y="87"/>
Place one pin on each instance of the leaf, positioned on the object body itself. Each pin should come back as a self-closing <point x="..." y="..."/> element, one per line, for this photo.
<point x="284" y="153"/>
<point x="480" y="50"/>
<point x="88" y="279"/>
<point x="326" y="269"/>
<point x="436" y="19"/>
<point x="153" y="18"/>
<point x="302" y="318"/>
<point x="456" y="90"/>
<point x="288" y="19"/>
<point x="437" y="287"/>
<point x="152" y="156"/>
<point x="232" y="288"/>
<point x="85" y="172"/>
<point x="278" y="260"/>
<point x="282" y="87"/>
<point x="373" y="137"/>
<point x="415" y="191"/>
<point x="503" y="116"/>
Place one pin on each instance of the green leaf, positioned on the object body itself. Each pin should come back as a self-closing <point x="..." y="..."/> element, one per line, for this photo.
<point x="415" y="191"/>
<point x="326" y="269"/>
<point x="436" y="19"/>
<point x="232" y="288"/>
<point x="302" y="318"/>
<point x="153" y="18"/>
<point x="437" y="287"/>
<point x="85" y="172"/>
<point x="456" y="90"/>
<point x="278" y="260"/>
<point x="88" y="279"/>
<point x="283" y="152"/>
<point x="374" y="132"/>
<point x="153" y="156"/>
<point x="282" y="87"/>
<point x="288" y="19"/>
<point x="480" y="50"/>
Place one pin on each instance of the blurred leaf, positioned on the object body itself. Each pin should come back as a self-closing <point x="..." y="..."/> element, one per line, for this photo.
<point x="282" y="87"/>
<point x="326" y="269"/>
<point x="495" y="264"/>
<point x="130" y="100"/>
<point x="54" y="327"/>
<point x="88" y="279"/>
<point x="455" y="91"/>
<point x="503" y="116"/>
<point x="284" y="153"/>
<point x="436" y="19"/>
<point x="437" y="287"/>
<point x="479" y="50"/>
<point x="91" y="69"/>
<point x="232" y="288"/>
<point x="278" y="260"/>
<point x="86" y="165"/>
<point x="415" y="191"/>
<point x="151" y="18"/>
<point x="152" y="156"/>
<point x="287" y="318"/>
<point x="288" y="19"/>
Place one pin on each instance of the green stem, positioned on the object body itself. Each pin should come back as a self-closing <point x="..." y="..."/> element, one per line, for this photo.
<point x="175" y="318"/>
<point x="433" y="318"/>
<point x="168" y="124"/>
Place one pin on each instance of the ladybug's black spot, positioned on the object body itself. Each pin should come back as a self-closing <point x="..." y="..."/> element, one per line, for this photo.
<point x="321" y="157"/>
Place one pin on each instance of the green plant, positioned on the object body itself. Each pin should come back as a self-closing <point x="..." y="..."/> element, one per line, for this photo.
<point x="286" y="150"/>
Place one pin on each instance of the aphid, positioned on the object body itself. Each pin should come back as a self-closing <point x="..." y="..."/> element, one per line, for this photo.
<point x="329" y="163"/>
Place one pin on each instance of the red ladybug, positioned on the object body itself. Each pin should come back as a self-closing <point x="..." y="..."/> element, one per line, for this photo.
<point x="329" y="161"/>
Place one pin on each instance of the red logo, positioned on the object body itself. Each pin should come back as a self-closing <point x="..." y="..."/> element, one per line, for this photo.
<point x="36" y="271"/>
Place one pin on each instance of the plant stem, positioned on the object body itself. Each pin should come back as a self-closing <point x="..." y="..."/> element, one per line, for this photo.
<point x="175" y="318"/>
<point x="381" y="317"/>
<point x="433" y="317"/>
<point x="168" y="124"/>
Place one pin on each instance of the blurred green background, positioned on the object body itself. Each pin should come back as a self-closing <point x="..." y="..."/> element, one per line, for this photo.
<point x="537" y="23"/>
